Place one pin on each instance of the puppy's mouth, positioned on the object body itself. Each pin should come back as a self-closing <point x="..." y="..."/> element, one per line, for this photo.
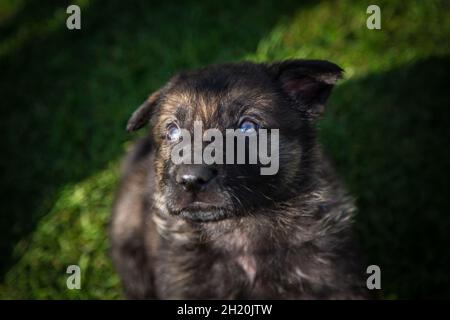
<point x="192" y="208"/>
<point x="200" y="206"/>
<point x="202" y="212"/>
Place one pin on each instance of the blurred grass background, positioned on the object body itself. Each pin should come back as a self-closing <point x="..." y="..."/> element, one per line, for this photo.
<point x="65" y="98"/>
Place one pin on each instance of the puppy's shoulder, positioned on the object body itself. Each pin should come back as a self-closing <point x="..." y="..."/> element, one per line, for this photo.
<point x="141" y="152"/>
<point x="132" y="201"/>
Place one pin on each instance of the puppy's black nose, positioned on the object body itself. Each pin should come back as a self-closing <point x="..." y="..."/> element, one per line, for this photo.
<point x="195" y="177"/>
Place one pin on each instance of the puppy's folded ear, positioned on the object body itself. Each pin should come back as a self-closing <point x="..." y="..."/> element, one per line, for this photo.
<point x="142" y="115"/>
<point x="307" y="82"/>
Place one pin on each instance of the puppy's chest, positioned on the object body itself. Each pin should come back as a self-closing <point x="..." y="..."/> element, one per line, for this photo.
<point x="268" y="269"/>
<point x="241" y="252"/>
<point x="236" y="264"/>
<point x="257" y="257"/>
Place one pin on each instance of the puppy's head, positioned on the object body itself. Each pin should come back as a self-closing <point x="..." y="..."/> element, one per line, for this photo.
<point x="246" y="97"/>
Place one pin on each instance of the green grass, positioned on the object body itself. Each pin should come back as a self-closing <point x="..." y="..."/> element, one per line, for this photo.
<point x="66" y="96"/>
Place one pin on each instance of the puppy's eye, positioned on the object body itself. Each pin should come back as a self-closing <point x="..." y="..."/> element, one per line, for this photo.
<point x="173" y="132"/>
<point x="248" y="126"/>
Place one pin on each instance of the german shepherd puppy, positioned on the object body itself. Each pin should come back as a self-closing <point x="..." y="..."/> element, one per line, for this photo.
<point x="183" y="231"/>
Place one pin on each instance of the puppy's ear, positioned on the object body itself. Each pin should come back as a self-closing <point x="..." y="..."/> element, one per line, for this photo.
<point x="307" y="82"/>
<point x="142" y="115"/>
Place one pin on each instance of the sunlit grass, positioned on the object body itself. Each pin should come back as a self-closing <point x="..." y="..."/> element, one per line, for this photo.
<point x="73" y="232"/>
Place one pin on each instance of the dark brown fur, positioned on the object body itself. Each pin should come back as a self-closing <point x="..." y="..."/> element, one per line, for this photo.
<point x="282" y="236"/>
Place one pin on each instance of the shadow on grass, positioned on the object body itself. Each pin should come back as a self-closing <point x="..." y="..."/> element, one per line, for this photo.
<point x="66" y="95"/>
<point x="389" y="136"/>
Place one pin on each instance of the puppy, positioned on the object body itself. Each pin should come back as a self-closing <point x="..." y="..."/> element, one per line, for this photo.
<point x="225" y="231"/>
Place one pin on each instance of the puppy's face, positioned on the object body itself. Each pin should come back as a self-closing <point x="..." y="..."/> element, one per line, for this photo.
<point x="247" y="98"/>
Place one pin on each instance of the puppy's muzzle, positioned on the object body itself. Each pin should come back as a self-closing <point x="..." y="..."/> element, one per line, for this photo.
<point x="194" y="178"/>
